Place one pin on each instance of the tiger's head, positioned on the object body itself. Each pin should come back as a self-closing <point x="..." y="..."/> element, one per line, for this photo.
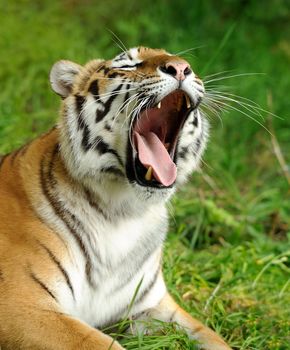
<point x="131" y="121"/>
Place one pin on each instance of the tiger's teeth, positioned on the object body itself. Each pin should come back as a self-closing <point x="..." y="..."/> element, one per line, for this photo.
<point x="159" y="105"/>
<point x="148" y="175"/>
<point x="188" y="104"/>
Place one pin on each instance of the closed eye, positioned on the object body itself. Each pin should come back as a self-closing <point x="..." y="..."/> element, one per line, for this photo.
<point x="129" y="67"/>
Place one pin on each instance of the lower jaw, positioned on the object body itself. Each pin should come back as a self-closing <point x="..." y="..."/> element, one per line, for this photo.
<point x="132" y="162"/>
<point x="140" y="177"/>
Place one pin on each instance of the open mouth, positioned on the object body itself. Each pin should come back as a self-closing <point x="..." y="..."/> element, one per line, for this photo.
<point x="154" y="137"/>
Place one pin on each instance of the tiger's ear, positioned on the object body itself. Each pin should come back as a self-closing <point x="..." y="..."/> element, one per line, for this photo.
<point x="62" y="76"/>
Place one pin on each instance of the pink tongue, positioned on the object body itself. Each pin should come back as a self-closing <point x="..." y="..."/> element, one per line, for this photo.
<point x="152" y="153"/>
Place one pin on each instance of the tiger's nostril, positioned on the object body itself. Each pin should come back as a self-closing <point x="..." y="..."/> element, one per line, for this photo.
<point x="187" y="71"/>
<point x="169" y="70"/>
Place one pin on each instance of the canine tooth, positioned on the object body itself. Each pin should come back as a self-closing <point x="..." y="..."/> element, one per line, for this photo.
<point x="159" y="105"/>
<point x="148" y="175"/>
<point x="188" y="104"/>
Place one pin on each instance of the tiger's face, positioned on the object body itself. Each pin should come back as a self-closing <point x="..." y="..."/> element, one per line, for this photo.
<point x="133" y="120"/>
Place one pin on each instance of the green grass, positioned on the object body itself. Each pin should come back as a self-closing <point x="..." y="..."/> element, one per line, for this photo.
<point x="227" y="257"/>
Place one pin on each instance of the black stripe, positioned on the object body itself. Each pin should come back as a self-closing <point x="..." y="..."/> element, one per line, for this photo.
<point x="112" y="151"/>
<point x="183" y="152"/>
<point x="25" y="149"/>
<point x="106" y="70"/>
<point x="115" y="74"/>
<point x="98" y="144"/>
<point x="127" y="94"/>
<point x="108" y="127"/>
<point x="42" y="285"/>
<point x="150" y="246"/>
<point x="137" y="300"/>
<point x="14" y="155"/>
<point x="101" y="146"/>
<point x="57" y="207"/>
<point x="142" y="258"/>
<point x="195" y="119"/>
<point x="148" y="84"/>
<point x="86" y="145"/>
<point x="19" y="152"/>
<point x="80" y="100"/>
<point x="72" y="221"/>
<point x="94" y="89"/>
<point x="94" y="204"/>
<point x="2" y="160"/>
<point x="112" y="170"/>
<point x="198" y="80"/>
<point x="124" y="310"/>
<point x="148" y="287"/>
<point x="126" y="66"/>
<point x="1" y="276"/>
<point x="136" y="65"/>
<point x="198" y="101"/>
<point x="107" y="105"/>
<point x="60" y="267"/>
<point x="75" y="222"/>
<point x="197" y="145"/>
<point x="120" y="57"/>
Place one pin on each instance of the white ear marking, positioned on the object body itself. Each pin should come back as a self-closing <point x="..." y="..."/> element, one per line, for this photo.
<point x="62" y="76"/>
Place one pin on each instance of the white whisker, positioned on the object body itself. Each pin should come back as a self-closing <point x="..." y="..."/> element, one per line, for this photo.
<point x="214" y="109"/>
<point x="119" y="42"/>
<point x="124" y="106"/>
<point x="240" y="111"/>
<point x="231" y="76"/>
<point x="135" y="113"/>
<point x="245" y="101"/>
<point x="216" y="74"/>
<point x="187" y="50"/>
<point x="249" y="107"/>
<point x="110" y="94"/>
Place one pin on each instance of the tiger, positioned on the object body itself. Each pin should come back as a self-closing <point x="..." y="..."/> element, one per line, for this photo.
<point x="83" y="207"/>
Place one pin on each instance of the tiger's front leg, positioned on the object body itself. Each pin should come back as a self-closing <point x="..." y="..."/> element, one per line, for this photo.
<point x="34" y="327"/>
<point x="169" y="311"/>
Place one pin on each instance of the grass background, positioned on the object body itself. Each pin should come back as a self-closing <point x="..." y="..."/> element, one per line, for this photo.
<point x="227" y="257"/>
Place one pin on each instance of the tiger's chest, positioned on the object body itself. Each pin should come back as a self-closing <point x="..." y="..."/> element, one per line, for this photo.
<point x="124" y="262"/>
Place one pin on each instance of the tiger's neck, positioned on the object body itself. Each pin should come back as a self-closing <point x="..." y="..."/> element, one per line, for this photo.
<point x="43" y="163"/>
<point x="84" y="223"/>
